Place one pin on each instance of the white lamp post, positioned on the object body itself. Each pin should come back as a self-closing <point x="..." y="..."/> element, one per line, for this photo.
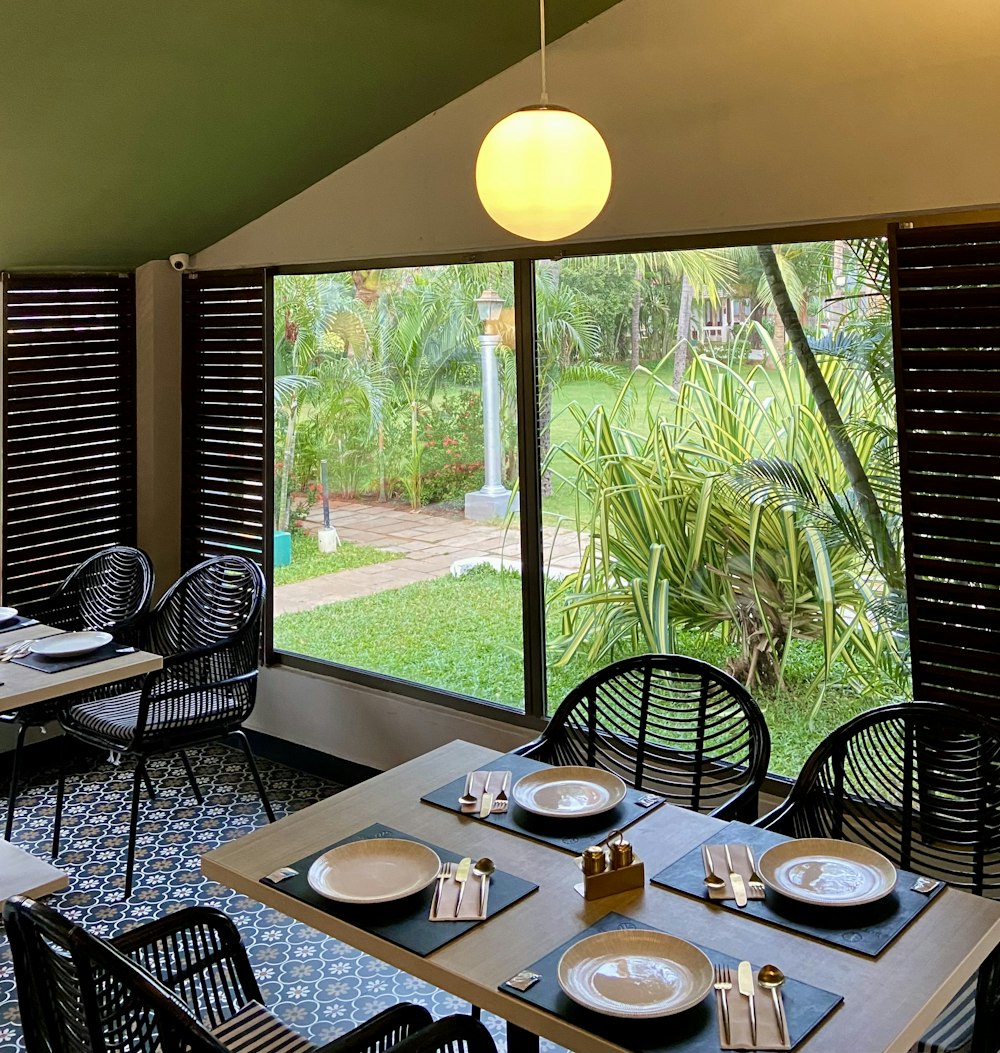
<point x="491" y="501"/>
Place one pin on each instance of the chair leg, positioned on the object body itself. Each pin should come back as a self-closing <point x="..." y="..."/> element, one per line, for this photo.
<point x="150" y="791"/>
<point x="22" y="727"/>
<point x="191" y="779"/>
<point x="60" y="793"/>
<point x="137" y="780"/>
<point x="245" y="743"/>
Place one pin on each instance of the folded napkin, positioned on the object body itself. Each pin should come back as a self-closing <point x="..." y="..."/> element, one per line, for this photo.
<point x="768" y="1031"/>
<point x="741" y="864"/>
<point x="477" y="787"/>
<point x="445" y="907"/>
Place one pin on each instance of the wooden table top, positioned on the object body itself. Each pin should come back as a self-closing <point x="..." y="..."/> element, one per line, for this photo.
<point x="888" y="1002"/>
<point x="21" y="686"/>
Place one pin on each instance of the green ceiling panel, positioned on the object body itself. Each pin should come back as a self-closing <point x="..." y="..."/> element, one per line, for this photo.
<point x="130" y="129"/>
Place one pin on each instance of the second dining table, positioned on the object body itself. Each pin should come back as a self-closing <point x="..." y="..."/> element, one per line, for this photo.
<point x="920" y="969"/>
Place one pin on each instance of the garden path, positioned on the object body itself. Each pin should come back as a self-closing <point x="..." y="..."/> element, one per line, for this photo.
<point x="430" y="542"/>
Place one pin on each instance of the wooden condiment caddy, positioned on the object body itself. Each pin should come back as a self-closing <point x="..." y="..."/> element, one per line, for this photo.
<point x="622" y="871"/>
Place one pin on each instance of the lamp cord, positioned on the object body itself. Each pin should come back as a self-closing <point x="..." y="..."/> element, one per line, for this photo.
<point x="541" y="19"/>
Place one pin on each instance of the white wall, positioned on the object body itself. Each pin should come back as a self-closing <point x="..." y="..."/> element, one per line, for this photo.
<point x="719" y="116"/>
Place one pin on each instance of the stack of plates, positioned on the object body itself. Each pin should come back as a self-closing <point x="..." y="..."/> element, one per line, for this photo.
<point x="827" y="873"/>
<point x="568" y="792"/>
<point x="375" y="871"/>
<point x="69" y="645"/>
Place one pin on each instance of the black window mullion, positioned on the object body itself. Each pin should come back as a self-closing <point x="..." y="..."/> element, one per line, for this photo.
<point x="529" y="463"/>
<point x="224" y="424"/>
<point x="69" y="428"/>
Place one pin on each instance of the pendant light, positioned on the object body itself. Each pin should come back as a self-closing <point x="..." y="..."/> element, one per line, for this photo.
<point x="543" y="172"/>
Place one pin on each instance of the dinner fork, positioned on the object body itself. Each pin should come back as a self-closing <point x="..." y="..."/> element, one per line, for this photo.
<point x="723" y="984"/>
<point x="446" y="873"/>
<point x="500" y="802"/>
<point x="18" y="650"/>
<point x="755" y="884"/>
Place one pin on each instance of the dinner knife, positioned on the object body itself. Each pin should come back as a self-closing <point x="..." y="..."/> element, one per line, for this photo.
<point x="744" y="979"/>
<point x="462" y="877"/>
<point x="736" y="880"/>
<point x="486" y="805"/>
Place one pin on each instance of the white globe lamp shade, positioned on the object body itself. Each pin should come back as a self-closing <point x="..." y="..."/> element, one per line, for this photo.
<point x="543" y="173"/>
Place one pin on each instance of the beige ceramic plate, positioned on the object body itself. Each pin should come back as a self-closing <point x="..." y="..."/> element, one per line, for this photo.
<point x="7" y="614"/>
<point x="827" y="872"/>
<point x="375" y="871"/>
<point x="568" y="792"/>
<point x="635" y="973"/>
<point x="67" y="645"/>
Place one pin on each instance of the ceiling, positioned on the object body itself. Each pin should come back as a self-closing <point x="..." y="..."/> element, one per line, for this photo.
<point x="132" y="129"/>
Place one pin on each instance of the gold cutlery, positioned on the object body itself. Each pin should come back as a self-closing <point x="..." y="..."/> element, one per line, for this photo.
<point x="756" y="883"/>
<point x="736" y="880"/>
<point x="468" y="798"/>
<point x="770" y="977"/>
<point x="711" y="878"/>
<point x="484" y="869"/>
<point x="444" y="874"/>
<point x="744" y="978"/>
<point x="486" y="804"/>
<point x="18" y="650"/>
<point x="462" y="877"/>
<point x="723" y="986"/>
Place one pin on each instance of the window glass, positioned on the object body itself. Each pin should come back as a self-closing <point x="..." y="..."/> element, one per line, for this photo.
<point x="395" y="438"/>
<point x="694" y="499"/>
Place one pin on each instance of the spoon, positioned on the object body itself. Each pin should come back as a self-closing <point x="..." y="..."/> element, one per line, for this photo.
<point x="770" y="977"/>
<point x="484" y="869"/>
<point x="711" y="878"/>
<point x="467" y="800"/>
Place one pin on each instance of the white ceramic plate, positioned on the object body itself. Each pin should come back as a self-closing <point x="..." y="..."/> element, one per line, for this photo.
<point x="827" y="872"/>
<point x="375" y="871"/>
<point x="7" y="614"/>
<point x="67" y="645"/>
<point x="635" y="973"/>
<point x="568" y="792"/>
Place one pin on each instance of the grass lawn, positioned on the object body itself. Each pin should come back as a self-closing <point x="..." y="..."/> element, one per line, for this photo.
<point x="464" y="634"/>
<point x="309" y="562"/>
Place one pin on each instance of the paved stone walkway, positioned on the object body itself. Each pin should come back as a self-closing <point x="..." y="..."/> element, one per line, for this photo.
<point x="430" y="543"/>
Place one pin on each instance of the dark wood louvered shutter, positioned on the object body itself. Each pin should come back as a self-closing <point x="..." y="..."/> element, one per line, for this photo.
<point x="946" y="306"/>
<point x="68" y="425"/>
<point x="226" y="318"/>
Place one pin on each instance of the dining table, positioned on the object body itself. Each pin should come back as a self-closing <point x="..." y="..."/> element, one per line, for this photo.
<point x="889" y="999"/>
<point x="20" y="686"/>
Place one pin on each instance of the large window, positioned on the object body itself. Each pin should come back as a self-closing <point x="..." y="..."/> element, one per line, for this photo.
<point x="687" y="491"/>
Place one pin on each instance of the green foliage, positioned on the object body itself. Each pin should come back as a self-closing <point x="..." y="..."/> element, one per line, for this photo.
<point x="308" y="562"/>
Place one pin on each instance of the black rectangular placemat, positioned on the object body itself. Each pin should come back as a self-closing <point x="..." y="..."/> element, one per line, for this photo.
<point x="404" y="922"/>
<point x="57" y="665"/>
<point x="695" y="1030"/>
<point x="17" y="622"/>
<point x="571" y="835"/>
<point x="866" y="930"/>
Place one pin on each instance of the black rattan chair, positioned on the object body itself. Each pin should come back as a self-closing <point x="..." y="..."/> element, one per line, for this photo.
<point x="207" y="627"/>
<point x="167" y="985"/>
<point x="109" y="591"/>
<point x="920" y="783"/>
<point x="666" y="723"/>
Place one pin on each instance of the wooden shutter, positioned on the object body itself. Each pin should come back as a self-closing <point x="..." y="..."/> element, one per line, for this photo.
<point x="225" y="323"/>
<point x="946" y="305"/>
<point x="68" y="425"/>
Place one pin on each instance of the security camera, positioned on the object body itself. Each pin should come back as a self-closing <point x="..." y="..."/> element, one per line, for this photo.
<point x="180" y="261"/>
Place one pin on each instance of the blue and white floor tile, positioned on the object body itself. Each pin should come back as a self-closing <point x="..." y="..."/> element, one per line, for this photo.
<point x="320" y="986"/>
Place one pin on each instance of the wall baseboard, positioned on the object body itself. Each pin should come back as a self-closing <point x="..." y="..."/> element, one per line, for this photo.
<point x="309" y="760"/>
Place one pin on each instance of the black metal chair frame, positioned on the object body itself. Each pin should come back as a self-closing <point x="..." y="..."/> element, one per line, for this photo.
<point x="178" y="706"/>
<point x="623" y="718"/>
<point x="936" y="813"/>
<point x="80" y="603"/>
<point x="163" y="985"/>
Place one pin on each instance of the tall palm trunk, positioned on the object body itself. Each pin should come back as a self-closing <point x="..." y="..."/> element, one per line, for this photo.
<point x="636" y="317"/>
<point x="545" y="433"/>
<point x="888" y="558"/>
<point x="287" y="462"/>
<point x="683" y="331"/>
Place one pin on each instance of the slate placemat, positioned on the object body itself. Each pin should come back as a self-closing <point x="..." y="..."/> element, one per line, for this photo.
<point x="571" y="835"/>
<point x="18" y="622"/>
<point x="696" y="1030"/>
<point x="866" y="930"/>
<point x="57" y="665"/>
<point x="405" y="921"/>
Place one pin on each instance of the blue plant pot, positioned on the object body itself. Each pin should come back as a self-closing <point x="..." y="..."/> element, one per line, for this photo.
<point x="282" y="548"/>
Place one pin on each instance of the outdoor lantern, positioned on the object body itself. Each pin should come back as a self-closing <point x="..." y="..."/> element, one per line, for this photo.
<point x="489" y="305"/>
<point x="543" y="172"/>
